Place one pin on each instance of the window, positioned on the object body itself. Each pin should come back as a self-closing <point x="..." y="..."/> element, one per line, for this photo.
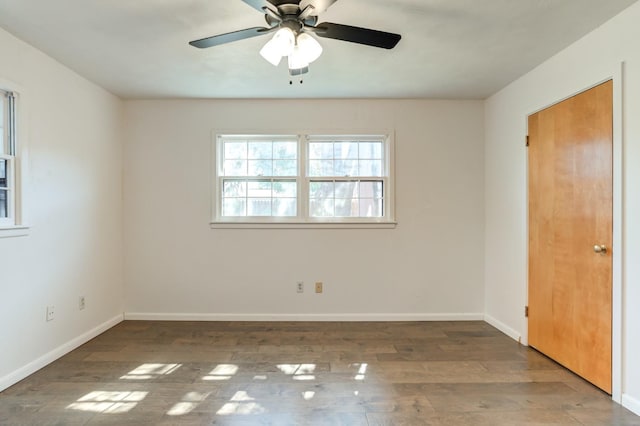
<point x="259" y="177"/>
<point x="7" y="159"/>
<point x="303" y="179"/>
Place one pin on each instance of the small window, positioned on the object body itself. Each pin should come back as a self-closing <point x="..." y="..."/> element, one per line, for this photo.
<point x="7" y="159"/>
<point x="303" y="179"/>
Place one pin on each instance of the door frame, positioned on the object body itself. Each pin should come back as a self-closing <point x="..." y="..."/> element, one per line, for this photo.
<point x="617" y="75"/>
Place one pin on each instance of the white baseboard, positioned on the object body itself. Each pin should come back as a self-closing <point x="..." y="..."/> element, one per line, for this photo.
<point x="299" y="317"/>
<point x="22" y="372"/>
<point x="515" y="335"/>
<point x="631" y="403"/>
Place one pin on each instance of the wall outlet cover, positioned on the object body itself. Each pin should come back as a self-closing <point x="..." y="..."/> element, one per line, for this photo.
<point x="50" y="313"/>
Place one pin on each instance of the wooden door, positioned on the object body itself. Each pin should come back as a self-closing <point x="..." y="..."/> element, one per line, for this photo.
<point x="570" y="213"/>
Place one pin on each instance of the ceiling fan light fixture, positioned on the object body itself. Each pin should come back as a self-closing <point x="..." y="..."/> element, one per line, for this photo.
<point x="271" y="53"/>
<point x="308" y="47"/>
<point x="298" y="59"/>
<point x="280" y="45"/>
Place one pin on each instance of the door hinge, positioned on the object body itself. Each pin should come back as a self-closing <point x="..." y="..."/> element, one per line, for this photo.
<point x="526" y="311"/>
<point x="527" y="141"/>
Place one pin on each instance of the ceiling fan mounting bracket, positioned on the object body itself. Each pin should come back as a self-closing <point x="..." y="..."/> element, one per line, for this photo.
<point x="289" y="9"/>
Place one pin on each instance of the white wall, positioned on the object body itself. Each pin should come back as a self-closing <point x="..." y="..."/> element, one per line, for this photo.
<point x="430" y="266"/>
<point x="590" y="60"/>
<point x="74" y="199"/>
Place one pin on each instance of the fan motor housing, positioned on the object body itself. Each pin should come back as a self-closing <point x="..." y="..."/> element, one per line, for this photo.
<point x="289" y="12"/>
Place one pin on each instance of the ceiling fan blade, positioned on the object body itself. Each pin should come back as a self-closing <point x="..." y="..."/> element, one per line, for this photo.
<point x="319" y="6"/>
<point x="357" y="35"/>
<point x="229" y="37"/>
<point x="260" y="4"/>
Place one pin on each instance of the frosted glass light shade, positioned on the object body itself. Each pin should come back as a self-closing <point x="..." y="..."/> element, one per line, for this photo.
<point x="280" y="45"/>
<point x="298" y="59"/>
<point x="309" y="47"/>
<point x="271" y="53"/>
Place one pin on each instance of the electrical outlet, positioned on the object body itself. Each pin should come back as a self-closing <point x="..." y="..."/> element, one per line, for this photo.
<point x="319" y="287"/>
<point x="300" y="286"/>
<point x="81" y="303"/>
<point x="50" y="313"/>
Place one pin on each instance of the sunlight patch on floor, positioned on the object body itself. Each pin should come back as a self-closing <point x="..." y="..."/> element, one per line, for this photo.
<point x="189" y="402"/>
<point x="298" y="371"/>
<point x="150" y="371"/>
<point x="222" y="372"/>
<point x="108" y="402"/>
<point x="241" y="403"/>
<point x="361" y="372"/>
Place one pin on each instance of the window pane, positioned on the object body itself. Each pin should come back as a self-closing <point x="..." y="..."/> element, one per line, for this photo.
<point x="370" y="168"/>
<point x="371" y="150"/>
<point x="370" y="207"/>
<point x="346" y="168"/>
<point x="350" y="158"/>
<point x="235" y="168"/>
<point x="346" y="150"/>
<point x="3" y="118"/>
<point x="260" y="168"/>
<point x="259" y="189"/>
<point x="321" y="208"/>
<point x="321" y="168"/>
<point x="321" y="190"/>
<point x="284" y="189"/>
<point x="285" y="150"/>
<point x="234" y="207"/>
<point x="235" y="150"/>
<point x="4" y="181"/>
<point x="260" y="150"/>
<point x="259" y="207"/>
<point x="321" y="150"/>
<point x="346" y="199"/>
<point x="347" y="207"/>
<point x="285" y="168"/>
<point x="346" y="189"/>
<point x="234" y="188"/>
<point x="4" y="203"/>
<point x="369" y="189"/>
<point x="284" y="206"/>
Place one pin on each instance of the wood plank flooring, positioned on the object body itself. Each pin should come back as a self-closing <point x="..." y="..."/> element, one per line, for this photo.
<point x="295" y="373"/>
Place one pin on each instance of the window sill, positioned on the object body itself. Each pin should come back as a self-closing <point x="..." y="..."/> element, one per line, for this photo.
<point x="14" y="231"/>
<point x="303" y="225"/>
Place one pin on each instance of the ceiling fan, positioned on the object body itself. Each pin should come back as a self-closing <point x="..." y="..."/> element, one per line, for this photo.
<point x="293" y="22"/>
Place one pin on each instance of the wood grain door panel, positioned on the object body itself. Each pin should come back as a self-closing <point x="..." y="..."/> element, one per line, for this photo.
<point x="570" y="211"/>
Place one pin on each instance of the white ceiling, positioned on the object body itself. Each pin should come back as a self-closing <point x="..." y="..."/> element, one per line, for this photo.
<point x="449" y="48"/>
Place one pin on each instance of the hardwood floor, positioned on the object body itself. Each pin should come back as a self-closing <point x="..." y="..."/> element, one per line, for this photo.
<point x="286" y="373"/>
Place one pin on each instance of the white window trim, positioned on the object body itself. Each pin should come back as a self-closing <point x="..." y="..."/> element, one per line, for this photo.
<point x="17" y="225"/>
<point x="303" y="221"/>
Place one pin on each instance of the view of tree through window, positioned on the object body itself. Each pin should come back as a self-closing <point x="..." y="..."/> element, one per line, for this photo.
<point x="259" y="186"/>
<point x="343" y="195"/>
<point x="302" y="176"/>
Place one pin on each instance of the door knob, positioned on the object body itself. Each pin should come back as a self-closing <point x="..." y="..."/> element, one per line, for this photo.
<point x="600" y="249"/>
